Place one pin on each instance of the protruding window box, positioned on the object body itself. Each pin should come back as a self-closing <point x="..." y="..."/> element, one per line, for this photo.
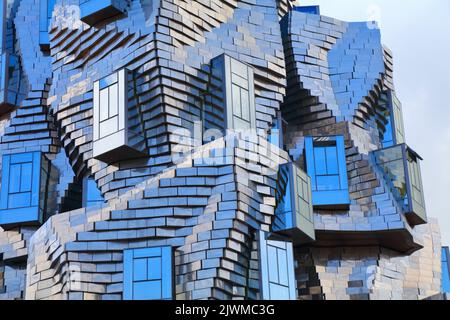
<point x="9" y="85"/>
<point x="392" y="130"/>
<point x="276" y="261"/>
<point x="148" y="274"/>
<point x="231" y="101"/>
<point x="326" y="165"/>
<point x="401" y="167"/>
<point x="118" y="129"/>
<point x="94" y="11"/>
<point x="294" y="212"/>
<point x="45" y="17"/>
<point x="24" y="189"/>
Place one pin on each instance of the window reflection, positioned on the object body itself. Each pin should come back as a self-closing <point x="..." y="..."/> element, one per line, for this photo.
<point x="91" y="193"/>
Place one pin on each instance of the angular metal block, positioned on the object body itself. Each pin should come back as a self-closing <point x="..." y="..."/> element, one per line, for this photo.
<point x="94" y="11"/>
<point x="118" y="126"/>
<point x="294" y="211"/>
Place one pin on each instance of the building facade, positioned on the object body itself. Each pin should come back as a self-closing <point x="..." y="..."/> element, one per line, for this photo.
<point x="215" y="149"/>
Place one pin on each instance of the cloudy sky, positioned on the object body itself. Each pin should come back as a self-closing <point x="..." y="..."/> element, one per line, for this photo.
<point x="418" y="32"/>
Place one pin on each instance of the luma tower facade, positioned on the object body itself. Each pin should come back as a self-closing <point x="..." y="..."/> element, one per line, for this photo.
<point x="222" y="149"/>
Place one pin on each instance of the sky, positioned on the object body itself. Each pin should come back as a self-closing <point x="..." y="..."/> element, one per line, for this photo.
<point x="418" y="33"/>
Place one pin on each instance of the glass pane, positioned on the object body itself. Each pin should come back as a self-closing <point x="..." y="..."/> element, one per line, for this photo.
<point x="113" y="100"/>
<point x="327" y="183"/>
<point x="104" y="104"/>
<point x="26" y="177"/>
<point x="236" y="93"/>
<point x="278" y="292"/>
<point x="320" y="161"/>
<point x="332" y="160"/>
<point x="14" y="178"/>
<point x="154" y="269"/>
<point x="283" y="267"/>
<point x="245" y="105"/>
<point x="148" y="290"/>
<point x="139" y="269"/>
<point x="109" y="127"/>
<point x="273" y="264"/>
<point x="19" y="200"/>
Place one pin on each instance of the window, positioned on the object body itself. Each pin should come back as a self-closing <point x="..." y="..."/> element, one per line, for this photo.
<point x="445" y="270"/>
<point x="91" y="193"/>
<point x="294" y="212"/>
<point x="392" y="133"/>
<point x="232" y="95"/>
<point x="326" y="165"/>
<point x="118" y="126"/>
<point x="94" y="11"/>
<point x="45" y="17"/>
<point x="308" y="9"/>
<point x="276" y="260"/>
<point x="24" y="185"/>
<point x="275" y="136"/>
<point x="10" y="95"/>
<point x="401" y="167"/>
<point x="148" y="274"/>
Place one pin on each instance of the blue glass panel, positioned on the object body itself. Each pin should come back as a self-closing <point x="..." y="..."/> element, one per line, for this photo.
<point x="327" y="183"/>
<point x="273" y="264"/>
<point x="140" y="269"/>
<point x="332" y="160"/>
<point x="154" y="269"/>
<point x="91" y="193"/>
<point x="388" y="137"/>
<point x="19" y="200"/>
<point x="14" y="178"/>
<point x="320" y="161"/>
<point x="148" y="290"/>
<point x="26" y="177"/>
<point x="445" y="270"/>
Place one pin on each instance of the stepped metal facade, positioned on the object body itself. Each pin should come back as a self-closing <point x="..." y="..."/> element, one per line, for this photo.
<point x="216" y="149"/>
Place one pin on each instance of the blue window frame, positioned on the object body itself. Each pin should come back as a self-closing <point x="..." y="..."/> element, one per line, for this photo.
<point x="326" y="165"/>
<point x="445" y="270"/>
<point x="294" y="212"/>
<point x="45" y="17"/>
<point x="94" y="11"/>
<point x="91" y="193"/>
<point x="23" y="176"/>
<point x="276" y="259"/>
<point x="148" y="274"/>
<point x="308" y="9"/>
